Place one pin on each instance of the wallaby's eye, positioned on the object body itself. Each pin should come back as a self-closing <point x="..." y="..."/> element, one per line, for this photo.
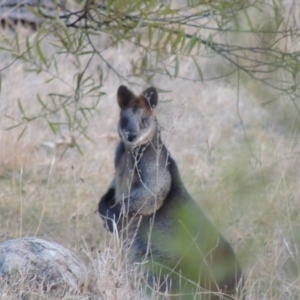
<point x="123" y="122"/>
<point x="145" y="122"/>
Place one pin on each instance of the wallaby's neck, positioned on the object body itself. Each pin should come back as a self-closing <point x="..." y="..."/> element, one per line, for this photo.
<point x="154" y="144"/>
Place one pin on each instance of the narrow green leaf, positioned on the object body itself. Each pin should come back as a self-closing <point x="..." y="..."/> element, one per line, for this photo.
<point x="28" y="47"/>
<point x="58" y="123"/>
<point x="79" y="77"/>
<point x="168" y="73"/>
<point x="5" y="49"/>
<point x="150" y="34"/>
<point x="162" y="91"/>
<point x="177" y="40"/>
<point x="199" y="44"/>
<point x="100" y="74"/>
<point x="168" y="39"/>
<point x="198" y="69"/>
<point x="14" y="126"/>
<point x="17" y="43"/>
<point x="176" y="67"/>
<point x="78" y="147"/>
<point x="144" y="63"/>
<point x="34" y="12"/>
<point x="95" y="88"/>
<point x="149" y="78"/>
<point x="21" y="107"/>
<point x="52" y="127"/>
<point x="68" y="116"/>
<point x="41" y="54"/>
<point x="59" y="95"/>
<point x="89" y="78"/>
<point x="37" y="36"/>
<point x="55" y="66"/>
<point x="41" y="102"/>
<point x="85" y="53"/>
<point x="22" y="132"/>
<point x="209" y="40"/>
<point x="87" y="137"/>
<point x="49" y="80"/>
<point x="189" y="47"/>
<point x="84" y="114"/>
<point x="249" y="21"/>
<point x="161" y="35"/>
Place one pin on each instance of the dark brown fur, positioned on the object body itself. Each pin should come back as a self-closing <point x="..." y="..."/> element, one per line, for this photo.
<point x="126" y="100"/>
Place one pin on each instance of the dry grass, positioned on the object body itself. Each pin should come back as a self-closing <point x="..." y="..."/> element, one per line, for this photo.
<point x="248" y="185"/>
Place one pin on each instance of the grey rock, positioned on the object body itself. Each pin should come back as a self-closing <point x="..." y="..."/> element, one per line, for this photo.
<point x="42" y="264"/>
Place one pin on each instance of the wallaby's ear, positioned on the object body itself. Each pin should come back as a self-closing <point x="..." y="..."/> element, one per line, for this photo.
<point x="151" y="97"/>
<point x="124" y="96"/>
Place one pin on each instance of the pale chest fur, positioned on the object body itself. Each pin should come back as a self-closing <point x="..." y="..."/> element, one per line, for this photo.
<point x="143" y="169"/>
<point x="126" y="174"/>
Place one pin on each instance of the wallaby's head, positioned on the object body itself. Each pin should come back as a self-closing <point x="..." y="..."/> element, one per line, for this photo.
<point x="137" y="124"/>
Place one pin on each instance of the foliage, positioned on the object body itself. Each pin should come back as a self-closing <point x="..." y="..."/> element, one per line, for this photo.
<point x="245" y="41"/>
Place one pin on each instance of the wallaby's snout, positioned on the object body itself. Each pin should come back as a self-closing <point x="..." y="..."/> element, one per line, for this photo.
<point x="131" y="137"/>
<point x="129" y="126"/>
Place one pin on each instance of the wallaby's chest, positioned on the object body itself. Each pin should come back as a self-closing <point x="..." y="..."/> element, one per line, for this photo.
<point x="129" y="171"/>
<point x="125" y="176"/>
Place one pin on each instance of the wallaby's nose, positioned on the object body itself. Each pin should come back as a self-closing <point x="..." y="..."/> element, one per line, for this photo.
<point x="131" y="137"/>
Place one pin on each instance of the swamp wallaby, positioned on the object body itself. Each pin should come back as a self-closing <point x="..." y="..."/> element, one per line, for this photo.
<point x="161" y="225"/>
